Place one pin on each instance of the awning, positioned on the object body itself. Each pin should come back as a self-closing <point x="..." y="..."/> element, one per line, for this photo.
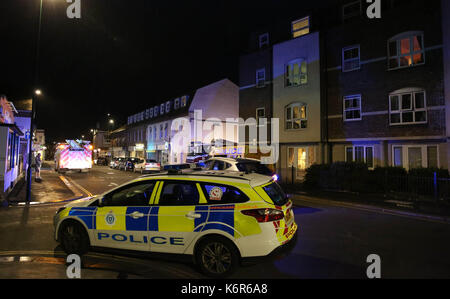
<point x="13" y="127"/>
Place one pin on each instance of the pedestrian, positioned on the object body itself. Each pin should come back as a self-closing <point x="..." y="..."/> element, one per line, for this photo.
<point x="38" y="163"/>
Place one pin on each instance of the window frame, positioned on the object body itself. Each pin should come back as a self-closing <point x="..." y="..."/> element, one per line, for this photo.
<point x="263" y="80"/>
<point x="413" y="109"/>
<point x="288" y="77"/>
<point x="352" y="97"/>
<point x="291" y="118"/>
<point x="293" y="32"/>
<point x="424" y="154"/>
<point x="120" y="189"/>
<point x="260" y="38"/>
<point x="164" y="183"/>
<point x="365" y="147"/>
<point x="398" y="39"/>
<point x="344" y="17"/>
<point x="349" y="48"/>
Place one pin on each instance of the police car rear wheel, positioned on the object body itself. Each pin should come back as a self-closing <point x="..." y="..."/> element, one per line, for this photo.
<point x="217" y="257"/>
<point x="74" y="238"/>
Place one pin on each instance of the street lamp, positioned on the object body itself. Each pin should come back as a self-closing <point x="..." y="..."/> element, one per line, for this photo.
<point x="37" y="93"/>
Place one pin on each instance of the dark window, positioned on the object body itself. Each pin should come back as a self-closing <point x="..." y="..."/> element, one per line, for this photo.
<point x="179" y="194"/>
<point x="137" y="194"/>
<point x="276" y="194"/>
<point x="218" y="165"/>
<point x="220" y="194"/>
<point x="254" y="167"/>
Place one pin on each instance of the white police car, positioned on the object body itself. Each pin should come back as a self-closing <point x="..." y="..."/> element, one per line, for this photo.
<point x="218" y="218"/>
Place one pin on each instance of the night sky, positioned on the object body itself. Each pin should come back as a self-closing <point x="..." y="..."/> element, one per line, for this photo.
<point x="122" y="56"/>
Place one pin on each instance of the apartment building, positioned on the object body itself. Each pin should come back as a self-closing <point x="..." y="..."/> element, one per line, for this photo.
<point x="384" y="86"/>
<point x="345" y="87"/>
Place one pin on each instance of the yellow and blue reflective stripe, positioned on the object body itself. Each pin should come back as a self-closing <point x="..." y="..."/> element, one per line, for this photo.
<point x="139" y="224"/>
<point x="85" y="214"/>
<point x="153" y="220"/>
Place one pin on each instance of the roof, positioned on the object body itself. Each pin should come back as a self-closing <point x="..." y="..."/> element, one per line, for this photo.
<point x="233" y="160"/>
<point x="253" y="179"/>
<point x="24" y="105"/>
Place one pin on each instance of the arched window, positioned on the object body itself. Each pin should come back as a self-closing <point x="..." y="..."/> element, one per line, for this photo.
<point x="406" y="50"/>
<point x="296" y="117"/>
<point x="408" y="106"/>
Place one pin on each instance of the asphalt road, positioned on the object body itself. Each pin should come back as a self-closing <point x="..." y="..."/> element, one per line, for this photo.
<point x="333" y="242"/>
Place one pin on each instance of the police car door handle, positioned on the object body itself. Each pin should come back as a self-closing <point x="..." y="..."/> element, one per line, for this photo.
<point x="136" y="215"/>
<point x="193" y="215"/>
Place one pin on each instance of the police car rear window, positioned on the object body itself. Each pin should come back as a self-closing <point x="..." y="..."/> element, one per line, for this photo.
<point x="276" y="194"/>
<point x="220" y="194"/>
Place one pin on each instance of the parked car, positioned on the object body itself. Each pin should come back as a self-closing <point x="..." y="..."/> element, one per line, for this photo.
<point x="115" y="162"/>
<point x="147" y="165"/>
<point x="122" y="164"/>
<point x="180" y="166"/>
<point x="194" y="158"/>
<point x="129" y="165"/>
<point x="102" y="161"/>
<point x="239" y="164"/>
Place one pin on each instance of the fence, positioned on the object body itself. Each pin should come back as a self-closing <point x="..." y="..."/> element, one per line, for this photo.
<point x="407" y="185"/>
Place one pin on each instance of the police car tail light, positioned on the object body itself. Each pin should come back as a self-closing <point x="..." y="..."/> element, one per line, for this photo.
<point x="264" y="215"/>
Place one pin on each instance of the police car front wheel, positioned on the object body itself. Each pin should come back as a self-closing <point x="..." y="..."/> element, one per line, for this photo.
<point x="217" y="257"/>
<point x="74" y="238"/>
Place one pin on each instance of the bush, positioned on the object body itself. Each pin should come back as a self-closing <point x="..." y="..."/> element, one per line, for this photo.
<point x="338" y="176"/>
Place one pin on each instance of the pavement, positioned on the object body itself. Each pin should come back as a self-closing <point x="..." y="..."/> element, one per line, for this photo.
<point x="51" y="189"/>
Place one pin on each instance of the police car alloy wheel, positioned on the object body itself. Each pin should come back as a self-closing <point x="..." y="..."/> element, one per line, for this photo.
<point x="217" y="257"/>
<point x="74" y="238"/>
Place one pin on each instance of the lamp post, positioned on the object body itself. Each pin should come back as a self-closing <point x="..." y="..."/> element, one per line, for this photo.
<point x="30" y="143"/>
<point x="37" y="93"/>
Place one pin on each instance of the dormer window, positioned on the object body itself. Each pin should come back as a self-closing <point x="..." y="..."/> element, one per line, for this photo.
<point x="300" y="27"/>
<point x="264" y="40"/>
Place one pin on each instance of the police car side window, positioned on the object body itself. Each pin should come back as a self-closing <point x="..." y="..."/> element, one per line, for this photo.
<point x="223" y="194"/>
<point x="132" y="195"/>
<point x="179" y="194"/>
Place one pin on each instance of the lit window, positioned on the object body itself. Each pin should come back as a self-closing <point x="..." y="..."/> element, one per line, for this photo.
<point x="350" y="58"/>
<point x="360" y="154"/>
<point x="261" y="78"/>
<point x="167" y="106"/>
<point x="263" y="40"/>
<point x="151" y="112"/>
<point x="150" y="133"/>
<point x="161" y="109"/>
<point x="407" y="108"/>
<point x="352" y="108"/>
<point x="296" y="116"/>
<point x="300" y="27"/>
<point x="296" y="73"/>
<point x="184" y="101"/>
<point x="351" y="10"/>
<point x="406" y="50"/>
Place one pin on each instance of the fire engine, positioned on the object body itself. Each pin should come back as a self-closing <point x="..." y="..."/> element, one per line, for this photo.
<point x="73" y="155"/>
